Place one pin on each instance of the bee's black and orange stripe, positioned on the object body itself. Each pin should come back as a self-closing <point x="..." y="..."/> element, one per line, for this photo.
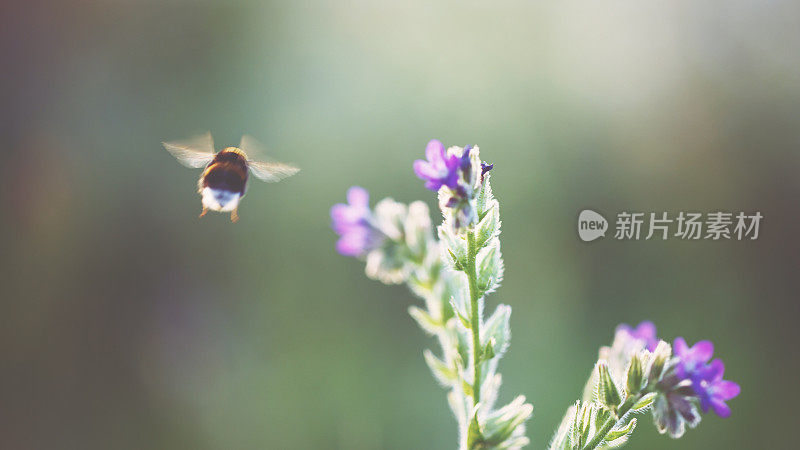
<point x="226" y="172"/>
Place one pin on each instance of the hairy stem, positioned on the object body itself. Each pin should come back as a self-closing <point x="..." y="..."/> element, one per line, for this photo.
<point x="611" y="422"/>
<point x="474" y="295"/>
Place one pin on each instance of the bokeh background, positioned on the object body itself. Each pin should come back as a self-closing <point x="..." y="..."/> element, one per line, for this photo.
<point x="128" y="323"/>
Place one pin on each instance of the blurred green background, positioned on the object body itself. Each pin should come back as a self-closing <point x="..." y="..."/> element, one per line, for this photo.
<point x="128" y="323"/>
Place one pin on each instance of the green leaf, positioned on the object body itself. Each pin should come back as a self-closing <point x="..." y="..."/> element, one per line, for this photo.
<point x="607" y="392"/>
<point x="634" y="376"/>
<point x="583" y="423"/>
<point x="497" y="328"/>
<point x="643" y="403"/>
<point x="514" y="443"/>
<point x="484" y="198"/>
<point x="562" y="439"/>
<point x="618" y="436"/>
<point x="659" y="359"/>
<point x="488" y="351"/>
<point x="500" y="424"/>
<point x="444" y="374"/>
<point x="457" y="263"/>
<point x="617" y="433"/>
<point x="421" y="287"/>
<point x="424" y="320"/>
<point x="474" y="435"/>
<point x="467" y="388"/>
<point x="490" y="268"/>
<point x="456" y="247"/>
<point x="461" y="316"/>
<point x="488" y="227"/>
<point x="601" y="414"/>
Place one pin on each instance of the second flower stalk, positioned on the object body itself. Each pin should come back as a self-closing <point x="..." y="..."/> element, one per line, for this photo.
<point x="452" y="274"/>
<point x="470" y="237"/>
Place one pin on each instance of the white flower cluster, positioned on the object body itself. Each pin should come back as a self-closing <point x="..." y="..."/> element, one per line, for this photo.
<point x="408" y="232"/>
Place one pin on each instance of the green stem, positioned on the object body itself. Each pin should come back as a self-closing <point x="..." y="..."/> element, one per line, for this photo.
<point x="611" y="421"/>
<point x="475" y="295"/>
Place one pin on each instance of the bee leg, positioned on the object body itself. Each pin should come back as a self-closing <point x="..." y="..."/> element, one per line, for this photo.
<point x="205" y="210"/>
<point x="235" y="215"/>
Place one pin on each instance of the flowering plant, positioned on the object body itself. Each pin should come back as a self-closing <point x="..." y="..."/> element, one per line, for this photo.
<point x="454" y="268"/>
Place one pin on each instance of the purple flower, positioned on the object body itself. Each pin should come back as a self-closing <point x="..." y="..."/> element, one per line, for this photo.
<point x="712" y="390"/>
<point x="645" y="331"/>
<point x="485" y="168"/>
<point x="674" y="409"/>
<point x="466" y="161"/>
<point x="707" y="382"/>
<point x="440" y="169"/>
<point x="353" y="222"/>
<point x="690" y="359"/>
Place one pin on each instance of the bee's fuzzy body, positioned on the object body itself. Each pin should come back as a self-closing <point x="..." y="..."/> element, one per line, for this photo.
<point x="224" y="180"/>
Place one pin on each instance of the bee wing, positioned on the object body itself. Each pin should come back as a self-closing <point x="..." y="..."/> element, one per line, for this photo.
<point x="261" y="166"/>
<point x="195" y="152"/>
<point x="252" y="148"/>
<point x="271" y="171"/>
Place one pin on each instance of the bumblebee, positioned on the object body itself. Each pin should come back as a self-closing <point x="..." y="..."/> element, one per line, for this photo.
<point x="223" y="182"/>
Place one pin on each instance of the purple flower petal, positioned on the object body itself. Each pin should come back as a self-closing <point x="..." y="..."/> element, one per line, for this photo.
<point x="424" y="169"/>
<point x="354" y="242"/>
<point x="344" y="218"/>
<point x="691" y="359"/>
<point x="645" y="331"/>
<point x="703" y="350"/>
<point x="349" y="245"/>
<point x="358" y="196"/>
<point x="466" y="161"/>
<point x="679" y="346"/>
<point x="435" y="152"/>
<point x="353" y="222"/>
<point x="727" y="390"/>
<point x="719" y="407"/>
<point x="707" y="383"/>
<point x="433" y="185"/>
<point x="705" y="400"/>
<point x="440" y="169"/>
<point x="485" y="168"/>
<point x="684" y="407"/>
<point x="713" y="372"/>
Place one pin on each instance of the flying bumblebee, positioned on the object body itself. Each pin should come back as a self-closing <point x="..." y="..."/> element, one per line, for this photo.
<point x="224" y="180"/>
